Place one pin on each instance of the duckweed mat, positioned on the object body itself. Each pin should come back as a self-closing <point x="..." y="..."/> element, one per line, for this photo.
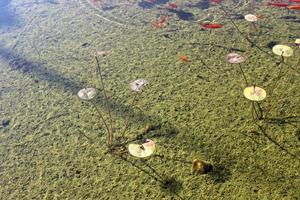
<point x="53" y="146"/>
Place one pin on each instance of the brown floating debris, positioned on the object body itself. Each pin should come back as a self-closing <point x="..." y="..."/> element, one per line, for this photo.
<point x="201" y="167"/>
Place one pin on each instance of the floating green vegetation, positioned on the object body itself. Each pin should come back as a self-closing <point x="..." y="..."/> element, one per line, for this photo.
<point x="76" y="122"/>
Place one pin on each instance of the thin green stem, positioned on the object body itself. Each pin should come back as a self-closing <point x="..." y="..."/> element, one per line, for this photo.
<point x="240" y="66"/>
<point x="105" y="96"/>
<point x="240" y="32"/>
<point x="257" y="111"/>
<point x="250" y="41"/>
<point x="260" y="110"/>
<point x="274" y="141"/>
<point x="103" y="120"/>
<point x="127" y="121"/>
<point x="277" y="79"/>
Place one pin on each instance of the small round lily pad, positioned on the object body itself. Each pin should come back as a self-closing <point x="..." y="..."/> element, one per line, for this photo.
<point x="282" y="50"/>
<point x="251" y="18"/>
<point x="138" y="84"/>
<point x="87" y="93"/>
<point x="255" y="93"/>
<point x="297" y="42"/>
<point x="142" y="150"/>
<point x="235" y="58"/>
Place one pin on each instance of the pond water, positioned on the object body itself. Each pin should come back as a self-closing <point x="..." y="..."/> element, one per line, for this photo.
<point x="149" y="99"/>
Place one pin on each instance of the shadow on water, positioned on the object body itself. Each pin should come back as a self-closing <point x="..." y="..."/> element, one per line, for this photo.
<point x="287" y="17"/>
<point x="220" y="174"/>
<point x="271" y="44"/>
<point x="54" y="79"/>
<point x="291" y="18"/>
<point x="183" y="15"/>
<point x="204" y="4"/>
<point x="148" y="4"/>
<point x="7" y="16"/>
<point x="284" y="120"/>
<point x="229" y="49"/>
<point x="168" y="184"/>
<point x="17" y="62"/>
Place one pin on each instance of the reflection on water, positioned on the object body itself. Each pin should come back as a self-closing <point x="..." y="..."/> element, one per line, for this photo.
<point x="7" y="16"/>
<point x="4" y="3"/>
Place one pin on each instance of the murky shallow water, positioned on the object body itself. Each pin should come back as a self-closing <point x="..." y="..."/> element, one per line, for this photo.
<point x="53" y="144"/>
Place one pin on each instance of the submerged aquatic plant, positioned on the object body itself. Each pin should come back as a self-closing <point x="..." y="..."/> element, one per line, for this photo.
<point x="255" y="95"/>
<point x="283" y="51"/>
<point x="252" y="43"/>
<point x="137" y="87"/>
<point x="252" y="19"/>
<point x="88" y="94"/>
<point x="99" y="72"/>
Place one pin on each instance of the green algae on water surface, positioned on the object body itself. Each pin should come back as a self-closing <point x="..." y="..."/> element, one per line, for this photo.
<point x="55" y="147"/>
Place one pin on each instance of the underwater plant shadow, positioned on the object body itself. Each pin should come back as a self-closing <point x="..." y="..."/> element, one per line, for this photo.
<point x="220" y="174"/>
<point x="167" y="184"/>
<point x="271" y="44"/>
<point x="183" y="15"/>
<point x="284" y="120"/>
<point x="264" y="133"/>
<point x="229" y="49"/>
<point x="203" y="4"/>
<point x="54" y="79"/>
<point x="155" y="131"/>
<point x="147" y="4"/>
<point x="291" y="18"/>
<point x="17" y="62"/>
<point x="163" y="157"/>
